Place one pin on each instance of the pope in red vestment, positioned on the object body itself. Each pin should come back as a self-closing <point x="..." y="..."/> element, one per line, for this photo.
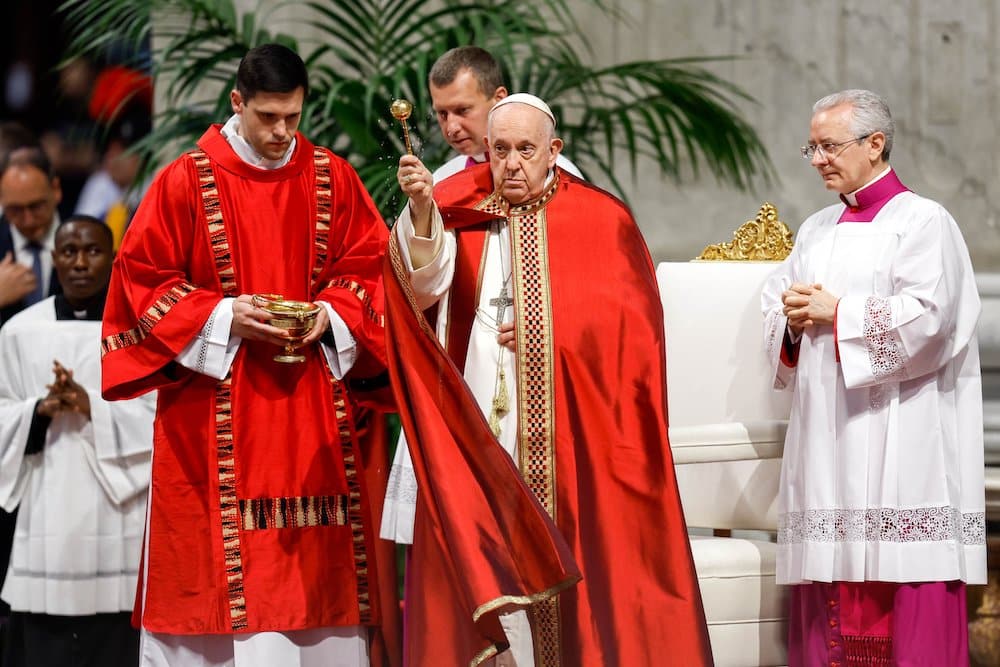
<point x="591" y="445"/>
<point x="264" y="499"/>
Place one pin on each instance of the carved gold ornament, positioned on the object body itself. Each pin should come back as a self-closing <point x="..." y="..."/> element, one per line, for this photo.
<point x="763" y="239"/>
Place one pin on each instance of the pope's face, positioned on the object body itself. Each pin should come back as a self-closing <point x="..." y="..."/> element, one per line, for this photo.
<point x="268" y="121"/>
<point x="461" y="108"/>
<point x="850" y="165"/>
<point x="522" y="151"/>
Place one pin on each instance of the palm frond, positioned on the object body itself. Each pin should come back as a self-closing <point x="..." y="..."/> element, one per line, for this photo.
<point x="676" y="113"/>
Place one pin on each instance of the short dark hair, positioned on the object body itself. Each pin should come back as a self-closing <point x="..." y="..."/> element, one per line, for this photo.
<point x="28" y="156"/>
<point x="89" y="219"/>
<point x="271" y="68"/>
<point x="479" y="61"/>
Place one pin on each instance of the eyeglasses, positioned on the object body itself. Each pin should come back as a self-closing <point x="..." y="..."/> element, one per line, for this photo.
<point x="18" y="210"/>
<point x="827" y="149"/>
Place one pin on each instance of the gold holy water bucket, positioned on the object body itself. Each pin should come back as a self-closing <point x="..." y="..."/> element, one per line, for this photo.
<point x="296" y="317"/>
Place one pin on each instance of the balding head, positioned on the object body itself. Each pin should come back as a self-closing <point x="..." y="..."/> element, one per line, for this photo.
<point x="29" y="192"/>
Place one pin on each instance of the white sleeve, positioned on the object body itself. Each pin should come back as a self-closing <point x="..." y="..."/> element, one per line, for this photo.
<point x="119" y="444"/>
<point x="926" y="322"/>
<point x="340" y="358"/>
<point x="775" y="322"/>
<point x="432" y="281"/>
<point x="16" y="411"/>
<point x="212" y="351"/>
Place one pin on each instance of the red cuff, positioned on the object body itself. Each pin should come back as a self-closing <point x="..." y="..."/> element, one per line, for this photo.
<point x="789" y="350"/>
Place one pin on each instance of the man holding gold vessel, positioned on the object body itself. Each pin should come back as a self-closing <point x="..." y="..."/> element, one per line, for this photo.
<point x="260" y="543"/>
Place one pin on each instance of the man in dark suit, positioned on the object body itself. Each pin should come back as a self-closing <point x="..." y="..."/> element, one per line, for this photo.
<point x="29" y="194"/>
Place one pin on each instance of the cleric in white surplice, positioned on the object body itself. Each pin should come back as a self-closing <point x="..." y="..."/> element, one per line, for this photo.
<point x="871" y="321"/>
<point x="75" y="466"/>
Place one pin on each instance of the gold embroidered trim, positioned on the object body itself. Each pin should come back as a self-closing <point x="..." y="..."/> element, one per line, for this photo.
<point x="228" y="504"/>
<point x="293" y="512"/>
<point x="497" y="204"/>
<point x="484" y="655"/>
<point x="153" y="314"/>
<point x="217" y="236"/>
<point x="396" y="259"/>
<point x="536" y="409"/>
<point x="354" y="500"/>
<point x="533" y="303"/>
<point x="528" y="601"/>
<point x="522" y="600"/>
<point x="546" y="626"/>
<point x="359" y="291"/>
<point x="321" y="160"/>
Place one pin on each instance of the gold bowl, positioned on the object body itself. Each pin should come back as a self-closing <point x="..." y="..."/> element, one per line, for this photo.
<point x="296" y="317"/>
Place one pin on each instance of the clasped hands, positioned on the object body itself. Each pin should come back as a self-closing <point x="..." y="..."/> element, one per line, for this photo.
<point x="808" y="305"/>
<point x="65" y="395"/>
<point x="251" y="323"/>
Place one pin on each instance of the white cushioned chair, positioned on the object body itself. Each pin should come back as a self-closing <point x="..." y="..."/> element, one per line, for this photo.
<point x="727" y="429"/>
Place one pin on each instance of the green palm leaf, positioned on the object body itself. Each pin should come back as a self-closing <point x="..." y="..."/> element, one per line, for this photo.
<point x="674" y="112"/>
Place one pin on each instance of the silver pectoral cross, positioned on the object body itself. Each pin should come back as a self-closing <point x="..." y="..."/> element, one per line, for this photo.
<point x="501" y="301"/>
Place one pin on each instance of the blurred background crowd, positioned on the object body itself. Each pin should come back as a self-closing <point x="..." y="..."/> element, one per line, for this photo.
<point x="85" y="113"/>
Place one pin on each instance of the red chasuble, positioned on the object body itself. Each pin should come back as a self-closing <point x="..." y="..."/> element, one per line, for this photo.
<point x="261" y="507"/>
<point x="592" y="441"/>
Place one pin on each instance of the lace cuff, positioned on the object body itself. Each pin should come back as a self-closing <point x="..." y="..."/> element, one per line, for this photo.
<point x="885" y="348"/>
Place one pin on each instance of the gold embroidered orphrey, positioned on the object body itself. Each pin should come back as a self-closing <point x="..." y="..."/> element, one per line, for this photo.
<point x="763" y="239"/>
<point x="536" y="411"/>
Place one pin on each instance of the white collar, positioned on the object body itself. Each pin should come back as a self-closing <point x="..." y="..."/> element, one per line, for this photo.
<point x="231" y="131"/>
<point x="852" y="198"/>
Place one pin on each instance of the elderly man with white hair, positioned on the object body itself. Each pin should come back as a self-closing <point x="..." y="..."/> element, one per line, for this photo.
<point x="543" y="297"/>
<point x="871" y="322"/>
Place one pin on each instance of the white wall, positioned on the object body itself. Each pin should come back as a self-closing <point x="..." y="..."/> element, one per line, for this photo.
<point x="938" y="64"/>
